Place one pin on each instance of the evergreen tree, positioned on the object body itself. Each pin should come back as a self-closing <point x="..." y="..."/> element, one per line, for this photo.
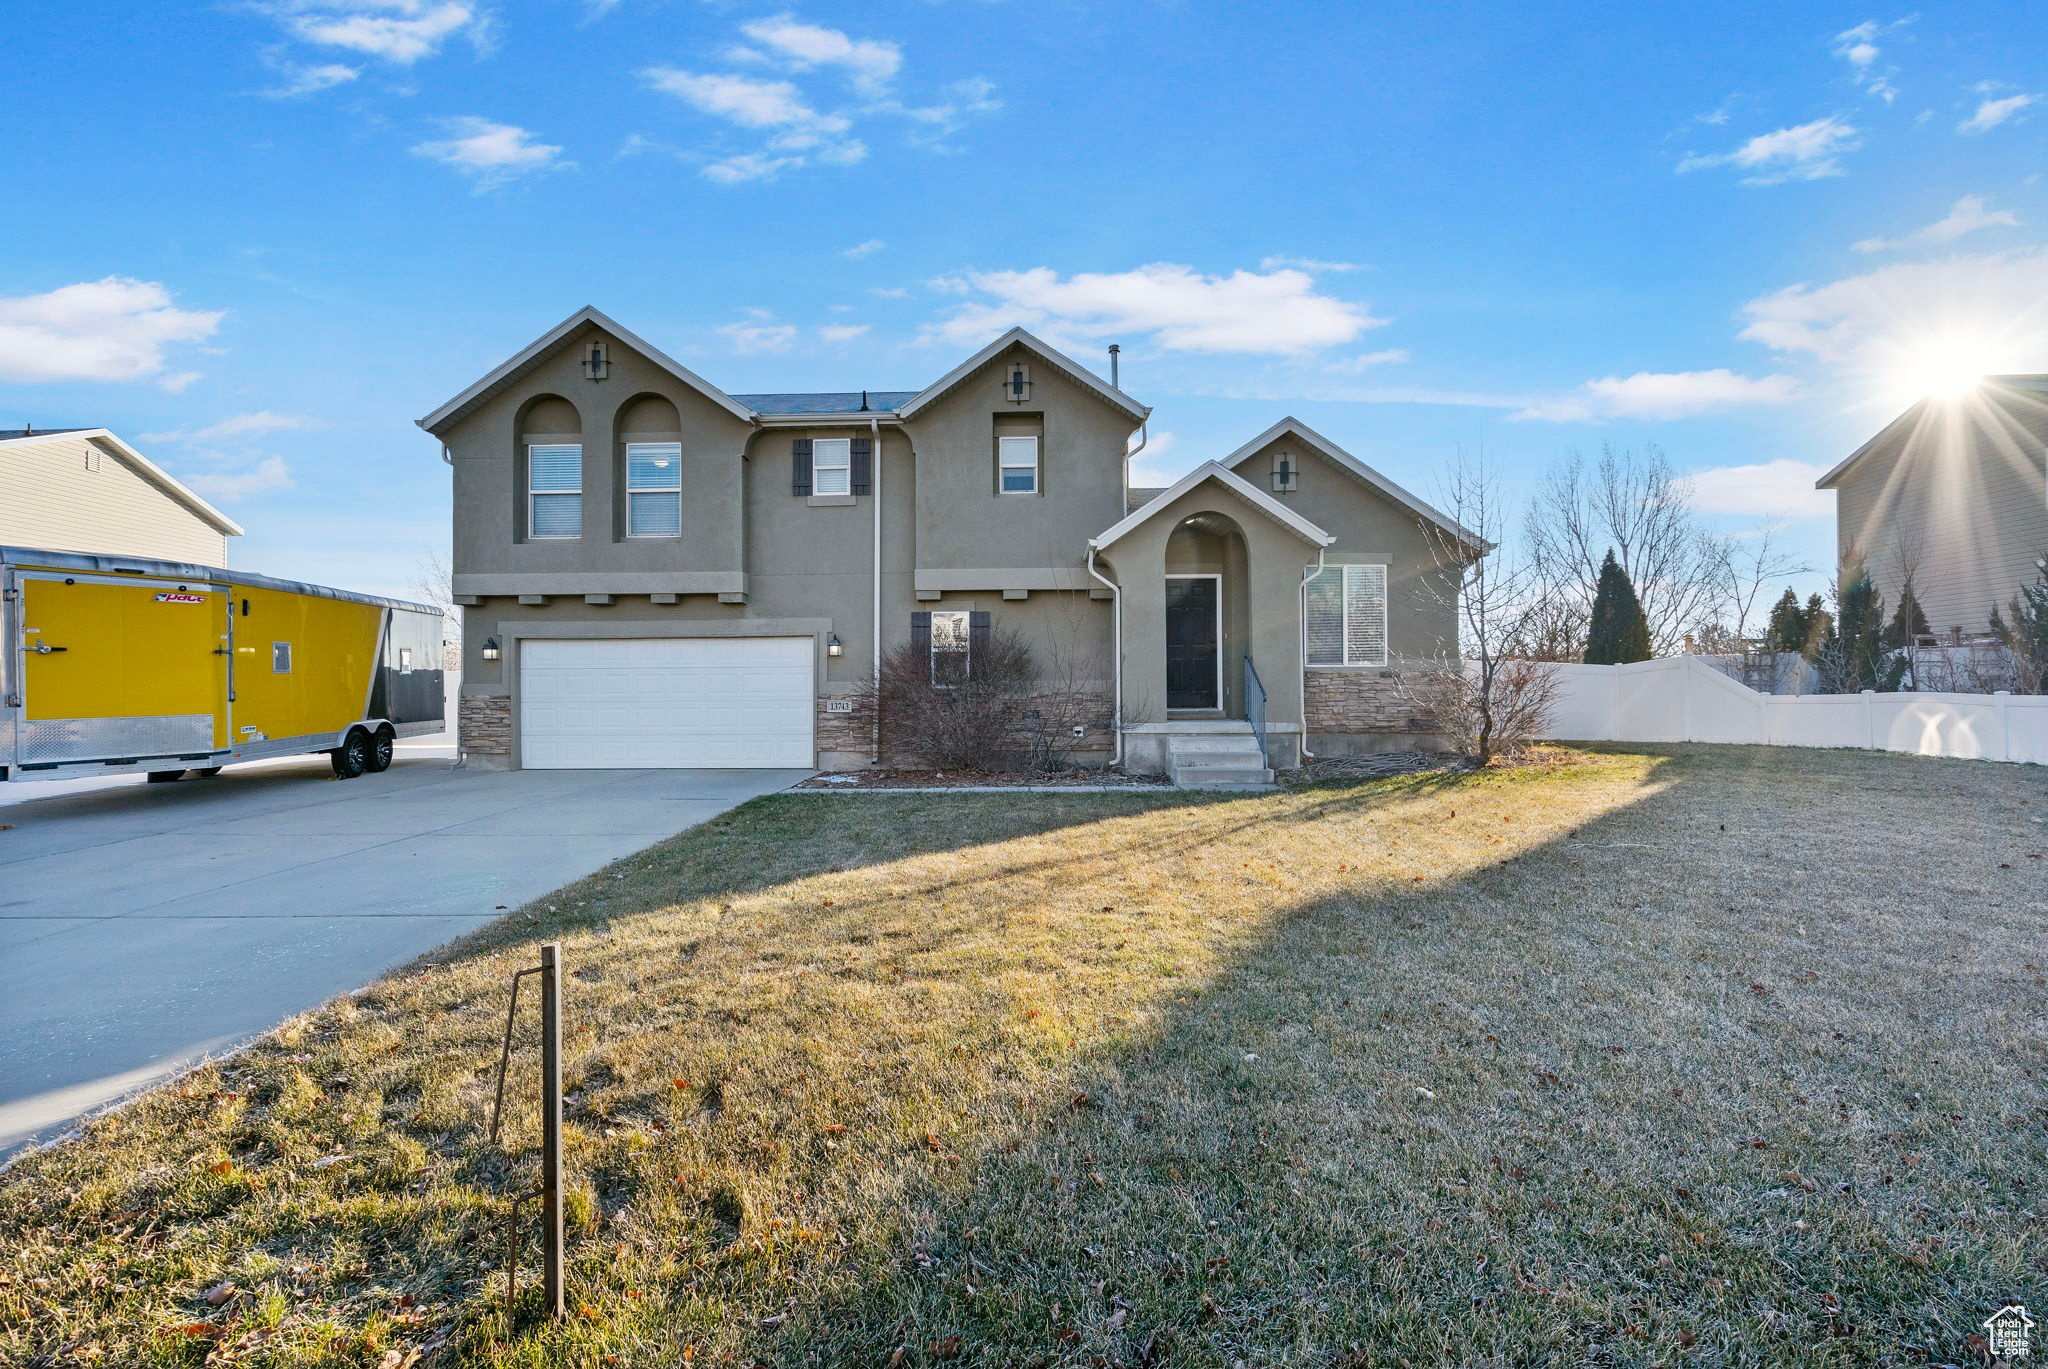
<point x="1788" y="625"/>
<point x="1908" y="621"/>
<point x="1619" y="632"/>
<point x="1859" y="629"/>
<point x="2027" y="635"/>
<point x="1820" y="627"/>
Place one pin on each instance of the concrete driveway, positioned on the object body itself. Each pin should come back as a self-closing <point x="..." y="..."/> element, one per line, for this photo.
<point x="145" y="926"/>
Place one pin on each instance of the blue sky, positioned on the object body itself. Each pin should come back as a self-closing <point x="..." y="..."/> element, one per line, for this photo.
<point x="261" y="238"/>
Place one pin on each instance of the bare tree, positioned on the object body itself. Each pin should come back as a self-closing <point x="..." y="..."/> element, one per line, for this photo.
<point x="1630" y="500"/>
<point x="434" y="583"/>
<point x="1750" y="563"/>
<point x="1483" y="693"/>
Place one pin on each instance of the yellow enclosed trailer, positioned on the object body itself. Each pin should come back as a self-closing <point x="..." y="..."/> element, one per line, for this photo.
<point x="116" y="664"/>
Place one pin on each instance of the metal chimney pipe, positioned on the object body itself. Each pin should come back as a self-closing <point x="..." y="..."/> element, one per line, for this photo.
<point x="1113" y="351"/>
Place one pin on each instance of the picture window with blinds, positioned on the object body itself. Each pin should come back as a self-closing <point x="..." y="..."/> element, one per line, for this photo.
<point x="654" y="489"/>
<point x="554" y="485"/>
<point x="1017" y="465"/>
<point x="1346" y="616"/>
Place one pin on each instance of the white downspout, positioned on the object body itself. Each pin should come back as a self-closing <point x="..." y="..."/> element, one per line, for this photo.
<point x="1144" y="436"/>
<point x="1306" y="576"/>
<point x="875" y="641"/>
<point x="1116" y="656"/>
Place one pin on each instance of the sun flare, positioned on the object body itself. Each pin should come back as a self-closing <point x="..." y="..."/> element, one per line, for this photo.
<point x="1945" y="368"/>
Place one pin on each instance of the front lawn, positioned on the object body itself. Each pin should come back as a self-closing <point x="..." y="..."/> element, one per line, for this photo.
<point x="1708" y="1056"/>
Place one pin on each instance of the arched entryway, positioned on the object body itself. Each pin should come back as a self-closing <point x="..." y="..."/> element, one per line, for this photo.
<point x="1207" y="617"/>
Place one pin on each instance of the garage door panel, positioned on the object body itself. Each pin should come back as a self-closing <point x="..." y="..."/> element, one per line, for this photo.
<point x="666" y="702"/>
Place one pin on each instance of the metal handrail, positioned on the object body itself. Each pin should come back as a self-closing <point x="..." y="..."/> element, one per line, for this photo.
<point x="1255" y="705"/>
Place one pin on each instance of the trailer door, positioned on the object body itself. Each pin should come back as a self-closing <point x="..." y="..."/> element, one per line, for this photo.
<point x="122" y="669"/>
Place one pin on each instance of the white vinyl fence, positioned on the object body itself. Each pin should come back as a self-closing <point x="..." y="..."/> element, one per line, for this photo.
<point x="1682" y="699"/>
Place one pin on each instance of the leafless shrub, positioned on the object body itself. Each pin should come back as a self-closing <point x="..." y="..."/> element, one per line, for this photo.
<point x="1486" y="722"/>
<point x="1006" y="715"/>
<point x="1482" y="694"/>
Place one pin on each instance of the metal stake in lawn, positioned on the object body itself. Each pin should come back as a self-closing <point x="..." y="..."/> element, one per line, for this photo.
<point x="550" y="1191"/>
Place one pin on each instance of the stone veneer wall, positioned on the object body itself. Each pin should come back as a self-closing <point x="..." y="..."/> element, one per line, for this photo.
<point x="1360" y="701"/>
<point x="854" y="732"/>
<point x="484" y="724"/>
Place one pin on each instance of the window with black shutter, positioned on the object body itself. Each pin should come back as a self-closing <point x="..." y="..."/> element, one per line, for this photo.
<point x="863" y="465"/>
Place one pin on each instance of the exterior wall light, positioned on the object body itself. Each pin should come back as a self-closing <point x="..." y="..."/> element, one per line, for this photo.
<point x="490" y="652"/>
<point x="833" y="646"/>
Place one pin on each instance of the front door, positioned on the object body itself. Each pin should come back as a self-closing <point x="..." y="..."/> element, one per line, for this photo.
<point x="1193" y="641"/>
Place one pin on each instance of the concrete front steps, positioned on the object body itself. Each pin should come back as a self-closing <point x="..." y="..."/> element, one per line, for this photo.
<point x="1222" y="755"/>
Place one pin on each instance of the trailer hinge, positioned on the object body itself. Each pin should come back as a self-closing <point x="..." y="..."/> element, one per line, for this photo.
<point x="9" y="596"/>
<point x="14" y="701"/>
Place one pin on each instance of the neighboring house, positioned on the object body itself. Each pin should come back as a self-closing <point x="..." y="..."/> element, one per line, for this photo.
<point x="657" y="573"/>
<point x="85" y="490"/>
<point x="1956" y="490"/>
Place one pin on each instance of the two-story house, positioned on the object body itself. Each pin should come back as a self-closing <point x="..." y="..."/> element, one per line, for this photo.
<point x="1955" y="491"/>
<point x="85" y="490"/>
<point x="655" y="572"/>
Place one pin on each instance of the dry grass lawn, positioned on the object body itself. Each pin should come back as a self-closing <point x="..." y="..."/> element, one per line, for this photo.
<point x="1707" y="1056"/>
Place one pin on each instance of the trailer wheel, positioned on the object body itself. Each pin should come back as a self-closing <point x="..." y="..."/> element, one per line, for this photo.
<point x="165" y="776"/>
<point x="381" y="747"/>
<point x="208" y="773"/>
<point x="352" y="757"/>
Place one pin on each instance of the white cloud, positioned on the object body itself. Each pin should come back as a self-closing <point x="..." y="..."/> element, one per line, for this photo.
<point x="400" y="31"/>
<point x="1770" y="489"/>
<point x="974" y="95"/>
<point x="492" y="153"/>
<point x="1989" y="304"/>
<point x="864" y="249"/>
<point x="1308" y="264"/>
<point x="1993" y="112"/>
<point x="1148" y="472"/>
<point x="1279" y="313"/>
<point x="300" y="80"/>
<point x="752" y="339"/>
<point x="236" y="425"/>
<point x="843" y="332"/>
<point x="742" y="100"/>
<point x="890" y="292"/>
<point x="179" y="382"/>
<point x="1648" y="394"/>
<point x="1803" y="153"/>
<point x="1367" y="360"/>
<point x="110" y="329"/>
<point x="1968" y="215"/>
<point x="1858" y="47"/>
<point x="232" y="487"/>
<point x="870" y="63"/>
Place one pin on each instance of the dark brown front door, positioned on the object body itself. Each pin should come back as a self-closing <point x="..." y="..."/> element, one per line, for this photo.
<point x="1193" y="641"/>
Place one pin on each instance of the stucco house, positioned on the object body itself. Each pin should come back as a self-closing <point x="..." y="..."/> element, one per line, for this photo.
<point x="86" y="490"/>
<point x="1956" y="489"/>
<point x="655" y="572"/>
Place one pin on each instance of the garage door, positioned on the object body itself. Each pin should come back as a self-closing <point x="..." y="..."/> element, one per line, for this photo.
<point x="666" y="702"/>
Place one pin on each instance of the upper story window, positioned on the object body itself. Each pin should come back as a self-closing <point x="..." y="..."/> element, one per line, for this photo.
<point x="1346" y="616"/>
<point x="554" y="484"/>
<point x="1017" y="465"/>
<point x="654" y="489"/>
<point x="832" y="465"/>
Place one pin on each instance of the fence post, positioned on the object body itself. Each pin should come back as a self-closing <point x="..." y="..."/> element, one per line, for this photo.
<point x="1869" y="697"/>
<point x="551" y="1125"/>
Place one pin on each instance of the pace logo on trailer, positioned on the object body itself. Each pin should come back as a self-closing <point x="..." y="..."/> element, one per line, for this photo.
<point x="182" y="598"/>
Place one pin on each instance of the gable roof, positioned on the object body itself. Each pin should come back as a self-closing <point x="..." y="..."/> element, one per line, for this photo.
<point x="543" y="346"/>
<point x="1358" y="470"/>
<point x="1229" y="480"/>
<point x="1911" y="419"/>
<point x="1067" y="366"/>
<point x="142" y="465"/>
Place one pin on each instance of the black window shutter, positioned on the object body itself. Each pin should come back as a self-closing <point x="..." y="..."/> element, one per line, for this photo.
<point x="800" y="466"/>
<point x="921" y="633"/>
<point x="863" y="465"/>
<point x="977" y="636"/>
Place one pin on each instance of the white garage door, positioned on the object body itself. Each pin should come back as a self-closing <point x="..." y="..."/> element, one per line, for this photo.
<point x="666" y="702"/>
